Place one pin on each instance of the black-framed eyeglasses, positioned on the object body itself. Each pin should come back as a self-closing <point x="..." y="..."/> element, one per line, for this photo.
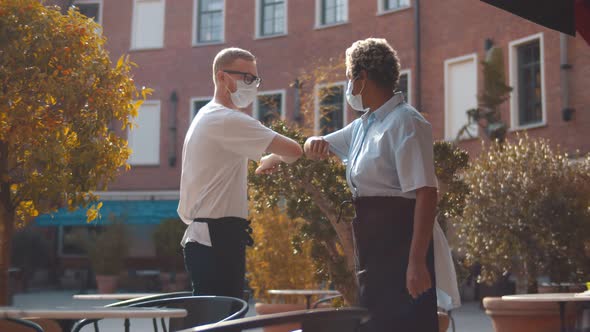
<point x="248" y="78"/>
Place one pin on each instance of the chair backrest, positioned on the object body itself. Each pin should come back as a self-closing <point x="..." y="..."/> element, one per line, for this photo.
<point x="19" y="325"/>
<point x="316" y="320"/>
<point x="201" y="309"/>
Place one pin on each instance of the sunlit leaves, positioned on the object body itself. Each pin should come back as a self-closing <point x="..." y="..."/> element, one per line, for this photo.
<point x="527" y="212"/>
<point x="61" y="95"/>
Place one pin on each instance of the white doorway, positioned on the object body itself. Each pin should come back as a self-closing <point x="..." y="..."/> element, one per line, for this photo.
<point x="460" y="95"/>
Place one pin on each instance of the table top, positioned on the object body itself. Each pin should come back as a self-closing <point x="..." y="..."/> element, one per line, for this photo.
<point x="548" y="297"/>
<point x="92" y="312"/>
<point x="115" y="296"/>
<point x="303" y="292"/>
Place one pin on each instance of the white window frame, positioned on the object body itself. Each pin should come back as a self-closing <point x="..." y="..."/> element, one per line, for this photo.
<point x="134" y="20"/>
<point x="196" y="25"/>
<point x="258" y="27"/>
<point x="318" y="16"/>
<point x="382" y="11"/>
<point x="447" y="64"/>
<point x="408" y="72"/>
<point x="159" y="162"/>
<point x="283" y="94"/>
<point x="100" y="7"/>
<point x="191" y="116"/>
<point x="316" y="113"/>
<point x="513" y="79"/>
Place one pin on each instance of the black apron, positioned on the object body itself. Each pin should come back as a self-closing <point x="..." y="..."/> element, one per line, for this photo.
<point x="383" y="229"/>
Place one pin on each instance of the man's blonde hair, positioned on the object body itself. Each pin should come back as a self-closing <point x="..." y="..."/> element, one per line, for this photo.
<point x="227" y="56"/>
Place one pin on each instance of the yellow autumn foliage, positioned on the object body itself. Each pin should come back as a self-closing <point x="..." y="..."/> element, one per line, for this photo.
<point x="274" y="262"/>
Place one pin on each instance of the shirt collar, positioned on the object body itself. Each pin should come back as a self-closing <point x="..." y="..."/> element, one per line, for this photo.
<point x="387" y="107"/>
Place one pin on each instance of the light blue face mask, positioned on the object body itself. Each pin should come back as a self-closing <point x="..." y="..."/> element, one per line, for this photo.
<point x="356" y="102"/>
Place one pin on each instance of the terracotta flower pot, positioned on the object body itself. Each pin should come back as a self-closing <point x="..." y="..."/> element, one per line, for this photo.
<point x="273" y="308"/>
<point x="106" y="284"/>
<point x="510" y="316"/>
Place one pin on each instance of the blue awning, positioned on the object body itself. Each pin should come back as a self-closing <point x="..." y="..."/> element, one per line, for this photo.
<point x="131" y="212"/>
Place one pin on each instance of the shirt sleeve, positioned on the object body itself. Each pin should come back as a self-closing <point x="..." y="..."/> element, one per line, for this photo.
<point x="340" y="141"/>
<point x="414" y="156"/>
<point x="245" y="136"/>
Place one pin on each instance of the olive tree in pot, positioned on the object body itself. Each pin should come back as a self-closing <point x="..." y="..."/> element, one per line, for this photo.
<point x="107" y="251"/>
<point x="167" y="237"/>
<point x="526" y="214"/>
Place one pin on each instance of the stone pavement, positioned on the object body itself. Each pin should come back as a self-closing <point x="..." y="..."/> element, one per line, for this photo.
<point x="469" y="318"/>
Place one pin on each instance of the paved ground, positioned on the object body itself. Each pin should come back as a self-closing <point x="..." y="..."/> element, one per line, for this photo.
<point x="468" y="318"/>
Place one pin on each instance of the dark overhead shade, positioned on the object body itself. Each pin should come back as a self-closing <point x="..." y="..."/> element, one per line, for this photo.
<point x="554" y="14"/>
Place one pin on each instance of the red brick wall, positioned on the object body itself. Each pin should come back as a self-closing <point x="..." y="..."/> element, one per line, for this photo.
<point x="449" y="29"/>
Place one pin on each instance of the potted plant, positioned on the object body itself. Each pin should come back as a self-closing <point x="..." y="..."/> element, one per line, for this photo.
<point x="167" y="237"/>
<point x="526" y="214"/>
<point x="107" y="251"/>
<point x="279" y="260"/>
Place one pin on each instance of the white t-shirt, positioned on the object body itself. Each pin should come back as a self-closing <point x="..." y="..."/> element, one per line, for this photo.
<point x="213" y="183"/>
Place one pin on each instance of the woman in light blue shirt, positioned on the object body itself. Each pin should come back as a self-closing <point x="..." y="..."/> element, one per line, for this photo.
<point x="388" y="153"/>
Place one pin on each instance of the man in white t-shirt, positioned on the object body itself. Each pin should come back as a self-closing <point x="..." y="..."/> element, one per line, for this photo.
<point x="213" y="185"/>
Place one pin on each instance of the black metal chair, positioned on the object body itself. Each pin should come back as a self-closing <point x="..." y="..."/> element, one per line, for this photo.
<point x="324" y="300"/>
<point x="201" y="310"/>
<point x="20" y="325"/>
<point x="347" y="319"/>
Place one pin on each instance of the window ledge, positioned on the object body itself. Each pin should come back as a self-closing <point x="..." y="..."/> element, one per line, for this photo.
<point x="394" y="10"/>
<point x="142" y="49"/>
<point x="529" y="126"/>
<point x="278" y="35"/>
<point x="209" y="43"/>
<point x="333" y="25"/>
<point x="145" y="165"/>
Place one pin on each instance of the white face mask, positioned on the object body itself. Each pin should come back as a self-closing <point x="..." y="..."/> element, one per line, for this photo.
<point x="244" y="95"/>
<point x="356" y="102"/>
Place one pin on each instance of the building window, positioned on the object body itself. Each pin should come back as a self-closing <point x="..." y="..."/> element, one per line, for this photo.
<point x="392" y="5"/>
<point x="144" y="138"/>
<point x="269" y="106"/>
<point x="332" y="12"/>
<point x="331" y="108"/>
<point x="209" y="21"/>
<point x="527" y="80"/>
<point x="405" y="85"/>
<point x="197" y="104"/>
<point x="272" y="17"/>
<point x="91" y="9"/>
<point x="529" y="84"/>
<point x="148" y="24"/>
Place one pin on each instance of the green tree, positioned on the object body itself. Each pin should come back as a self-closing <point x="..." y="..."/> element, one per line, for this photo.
<point x="526" y="213"/>
<point x="60" y="99"/>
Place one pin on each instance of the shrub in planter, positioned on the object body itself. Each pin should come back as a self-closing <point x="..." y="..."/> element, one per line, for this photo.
<point x="526" y="213"/>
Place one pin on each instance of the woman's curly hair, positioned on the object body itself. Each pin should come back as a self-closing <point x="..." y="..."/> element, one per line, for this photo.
<point x="377" y="58"/>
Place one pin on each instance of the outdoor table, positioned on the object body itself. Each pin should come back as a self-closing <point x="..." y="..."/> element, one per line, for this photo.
<point x="308" y="293"/>
<point x="113" y="297"/>
<point x="560" y="298"/>
<point x="67" y="316"/>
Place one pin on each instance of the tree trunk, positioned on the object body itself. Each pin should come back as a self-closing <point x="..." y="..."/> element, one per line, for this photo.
<point x="6" y="224"/>
<point x="343" y="231"/>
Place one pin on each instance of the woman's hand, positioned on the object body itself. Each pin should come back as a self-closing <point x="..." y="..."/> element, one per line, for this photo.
<point x="316" y="148"/>
<point x="417" y="278"/>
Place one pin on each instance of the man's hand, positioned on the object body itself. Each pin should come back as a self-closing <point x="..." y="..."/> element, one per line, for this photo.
<point x="268" y="164"/>
<point x="316" y="148"/>
<point x="417" y="278"/>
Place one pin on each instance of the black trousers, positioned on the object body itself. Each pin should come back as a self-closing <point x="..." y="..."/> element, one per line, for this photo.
<point x="219" y="269"/>
<point x="383" y="230"/>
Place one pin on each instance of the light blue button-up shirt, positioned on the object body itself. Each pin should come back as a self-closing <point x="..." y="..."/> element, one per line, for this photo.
<point x="388" y="152"/>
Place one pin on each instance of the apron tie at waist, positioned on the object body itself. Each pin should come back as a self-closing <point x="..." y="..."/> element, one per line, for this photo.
<point x="232" y="229"/>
